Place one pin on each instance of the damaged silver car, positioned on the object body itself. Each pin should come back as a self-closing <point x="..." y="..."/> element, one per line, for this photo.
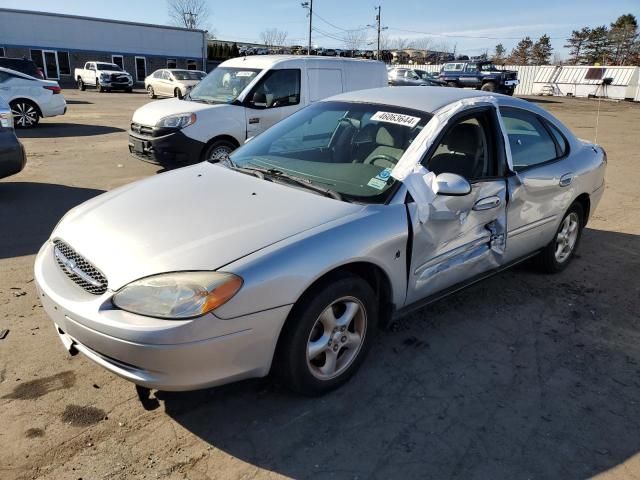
<point x="291" y="253"/>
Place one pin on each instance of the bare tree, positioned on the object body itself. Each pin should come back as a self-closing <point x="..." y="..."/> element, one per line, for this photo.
<point x="354" y="39"/>
<point x="272" y="37"/>
<point x="424" y="43"/>
<point x="400" y="43"/>
<point x="385" y="42"/>
<point x="192" y="14"/>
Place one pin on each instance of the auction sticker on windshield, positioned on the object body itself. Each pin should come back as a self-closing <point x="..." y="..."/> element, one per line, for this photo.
<point x="244" y="74"/>
<point x="397" y="118"/>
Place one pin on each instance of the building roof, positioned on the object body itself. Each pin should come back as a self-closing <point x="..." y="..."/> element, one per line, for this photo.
<point x="96" y="19"/>
<point x="426" y="99"/>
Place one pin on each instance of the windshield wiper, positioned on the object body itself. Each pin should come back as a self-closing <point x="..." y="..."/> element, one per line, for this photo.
<point x="279" y="174"/>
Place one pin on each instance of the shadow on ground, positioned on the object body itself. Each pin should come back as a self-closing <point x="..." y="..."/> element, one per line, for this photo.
<point x="30" y="211"/>
<point x="48" y="130"/>
<point x="522" y="376"/>
<point x="78" y="102"/>
<point x="539" y="100"/>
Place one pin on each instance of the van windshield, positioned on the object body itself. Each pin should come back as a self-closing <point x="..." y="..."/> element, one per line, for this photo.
<point x="348" y="148"/>
<point x="223" y="85"/>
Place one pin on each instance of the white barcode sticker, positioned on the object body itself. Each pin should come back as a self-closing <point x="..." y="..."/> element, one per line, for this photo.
<point x="397" y="118"/>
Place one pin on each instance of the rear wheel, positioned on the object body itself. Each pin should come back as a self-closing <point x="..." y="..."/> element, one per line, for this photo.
<point x="81" y="85"/>
<point x="489" y="87"/>
<point x="151" y="92"/>
<point x="218" y="150"/>
<point x="25" y="114"/>
<point x="558" y="253"/>
<point x="328" y="335"/>
<point x="452" y="84"/>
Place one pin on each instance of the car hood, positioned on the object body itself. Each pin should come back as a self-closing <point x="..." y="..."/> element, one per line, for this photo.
<point x="117" y="72"/>
<point x="150" y="113"/>
<point x="196" y="218"/>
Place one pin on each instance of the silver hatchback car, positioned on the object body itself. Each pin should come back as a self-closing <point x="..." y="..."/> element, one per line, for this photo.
<point x="293" y="251"/>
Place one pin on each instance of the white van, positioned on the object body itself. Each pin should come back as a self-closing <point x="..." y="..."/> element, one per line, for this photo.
<point x="240" y="99"/>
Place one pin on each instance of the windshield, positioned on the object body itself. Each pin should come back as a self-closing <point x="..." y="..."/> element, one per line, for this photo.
<point x="349" y="148"/>
<point x="188" y="75"/>
<point x="108" y="66"/>
<point x="223" y="85"/>
<point x="488" y="67"/>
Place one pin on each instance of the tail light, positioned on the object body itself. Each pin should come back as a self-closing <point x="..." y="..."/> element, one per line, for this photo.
<point x="54" y="88"/>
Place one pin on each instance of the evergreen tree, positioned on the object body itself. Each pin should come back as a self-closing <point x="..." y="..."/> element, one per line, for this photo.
<point x="235" y="51"/>
<point x="521" y="55"/>
<point x="623" y="37"/>
<point x="226" y="51"/>
<point x="576" y="44"/>
<point x="499" y="54"/>
<point x="597" y="48"/>
<point x="541" y="51"/>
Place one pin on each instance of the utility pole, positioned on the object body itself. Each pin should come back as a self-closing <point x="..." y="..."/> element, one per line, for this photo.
<point x="309" y="5"/>
<point x="378" y="26"/>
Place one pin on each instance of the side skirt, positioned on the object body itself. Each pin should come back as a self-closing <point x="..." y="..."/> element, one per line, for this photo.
<point x="407" y="309"/>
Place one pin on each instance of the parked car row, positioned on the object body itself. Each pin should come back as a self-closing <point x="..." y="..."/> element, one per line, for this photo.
<point x="319" y="51"/>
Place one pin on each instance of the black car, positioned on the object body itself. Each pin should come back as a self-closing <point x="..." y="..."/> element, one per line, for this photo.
<point x="12" y="155"/>
<point x="22" y="65"/>
<point x="482" y="75"/>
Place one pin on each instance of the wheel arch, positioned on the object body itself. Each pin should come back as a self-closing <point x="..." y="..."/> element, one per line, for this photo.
<point x="224" y="136"/>
<point x="585" y="202"/>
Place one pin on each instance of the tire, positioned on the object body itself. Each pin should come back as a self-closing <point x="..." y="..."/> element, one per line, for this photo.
<point x="128" y="89"/>
<point x="217" y="149"/>
<point x="452" y="84"/>
<point x="99" y="87"/>
<point x="25" y="114"/>
<point x="313" y="332"/>
<point x="150" y="92"/>
<point x="549" y="260"/>
<point x="81" y="86"/>
<point x="509" y="92"/>
<point x="177" y="93"/>
<point x="488" y="87"/>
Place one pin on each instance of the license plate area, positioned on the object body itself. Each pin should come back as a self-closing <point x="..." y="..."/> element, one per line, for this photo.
<point x="138" y="146"/>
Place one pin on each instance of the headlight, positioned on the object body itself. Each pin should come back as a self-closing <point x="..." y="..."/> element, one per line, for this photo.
<point x="178" y="295"/>
<point x="180" y="120"/>
<point x="105" y="76"/>
<point x="6" y="120"/>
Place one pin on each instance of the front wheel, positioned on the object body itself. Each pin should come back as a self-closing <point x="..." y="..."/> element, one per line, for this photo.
<point x="558" y="253"/>
<point x="25" y="114"/>
<point x="488" y="87"/>
<point x="218" y="150"/>
<point x="99" y="87"/>
<point x="327" y="335"/>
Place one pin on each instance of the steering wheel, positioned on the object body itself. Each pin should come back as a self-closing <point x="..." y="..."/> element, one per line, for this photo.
<point x="381" y="156"/>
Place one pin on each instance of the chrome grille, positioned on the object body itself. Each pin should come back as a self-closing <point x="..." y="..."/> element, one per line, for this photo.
<point x="142" y="129"/>
<point x="78" y="269"/>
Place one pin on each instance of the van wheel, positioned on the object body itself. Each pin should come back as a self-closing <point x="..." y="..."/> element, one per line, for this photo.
<point x="218" y="150"/>
<point x="327" y="336"/>
<point x="150" y="92"/>
<point x="488" y="87"/>
<point x="558" y="253"/>
<point x="81" y="85"/>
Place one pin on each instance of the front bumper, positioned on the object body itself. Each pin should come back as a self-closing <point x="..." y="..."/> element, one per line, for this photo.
<point x="162" y="354"/>
<point x="168" y="149"/>
<point x="117" y="85"/>
<point x="511" y="83"/>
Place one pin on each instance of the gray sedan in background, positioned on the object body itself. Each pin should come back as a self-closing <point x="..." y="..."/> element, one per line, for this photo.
<point x="291" y="253"/>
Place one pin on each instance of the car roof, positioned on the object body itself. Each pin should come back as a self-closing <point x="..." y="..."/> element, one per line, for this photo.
<point x="268" y="61"/>
<point x="427" y="99"/>
<point x="26" y="76"/>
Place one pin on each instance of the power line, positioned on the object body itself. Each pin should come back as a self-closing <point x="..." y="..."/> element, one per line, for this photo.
<point x="433" y="34"/>
<point x="337" y="27"/>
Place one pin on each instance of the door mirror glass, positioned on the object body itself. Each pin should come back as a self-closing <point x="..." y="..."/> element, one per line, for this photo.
<point x="452" y="184"/>
<point x="259" y="99"/>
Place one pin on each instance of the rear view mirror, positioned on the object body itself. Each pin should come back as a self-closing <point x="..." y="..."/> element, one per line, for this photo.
<point x="259" y="99"/>
<point x="452" y="184"/>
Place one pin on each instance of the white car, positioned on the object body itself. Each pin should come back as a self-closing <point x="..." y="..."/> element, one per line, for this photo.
<point x="172" y="82"/>
<point x="30" y="98"/>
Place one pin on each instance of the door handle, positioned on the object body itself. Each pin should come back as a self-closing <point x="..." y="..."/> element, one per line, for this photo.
<point x="487" y="203"/>
<point x="254" y="120"/>
<point x="565" y="180"/>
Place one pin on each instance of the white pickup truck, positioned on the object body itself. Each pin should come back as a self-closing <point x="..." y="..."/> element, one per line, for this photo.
<point x="103" y="76"/>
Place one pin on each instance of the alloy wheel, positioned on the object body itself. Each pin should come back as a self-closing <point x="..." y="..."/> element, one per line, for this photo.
<point x="567" y="237"/>
<point x="25" y="115"/>
<point x="336" y="338"/>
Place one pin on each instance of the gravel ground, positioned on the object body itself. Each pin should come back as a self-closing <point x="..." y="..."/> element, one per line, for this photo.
<point x="522" y="376"/>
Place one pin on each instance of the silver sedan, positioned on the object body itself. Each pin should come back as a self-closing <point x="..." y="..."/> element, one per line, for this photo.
<point x="290" y="254"/>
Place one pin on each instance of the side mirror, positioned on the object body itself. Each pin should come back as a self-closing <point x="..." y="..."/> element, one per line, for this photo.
<point x="259" y="99"/>
<point x="452" y="184"/>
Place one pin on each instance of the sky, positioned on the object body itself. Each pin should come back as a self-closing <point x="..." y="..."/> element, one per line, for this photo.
<point x="469" y="26"/>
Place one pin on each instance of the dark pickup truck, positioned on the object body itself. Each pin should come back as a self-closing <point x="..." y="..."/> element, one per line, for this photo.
<point x="479" y="75"/>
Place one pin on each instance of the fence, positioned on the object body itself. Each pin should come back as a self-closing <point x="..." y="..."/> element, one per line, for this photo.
<point x="563" y="80"/>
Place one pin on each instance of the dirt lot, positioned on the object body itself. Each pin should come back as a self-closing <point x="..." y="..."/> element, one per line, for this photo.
<point x="523" y="376"/>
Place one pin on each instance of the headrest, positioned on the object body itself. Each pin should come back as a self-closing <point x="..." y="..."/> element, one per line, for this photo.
<point x="384" y="137"/>
<point x="464" y="138"/>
